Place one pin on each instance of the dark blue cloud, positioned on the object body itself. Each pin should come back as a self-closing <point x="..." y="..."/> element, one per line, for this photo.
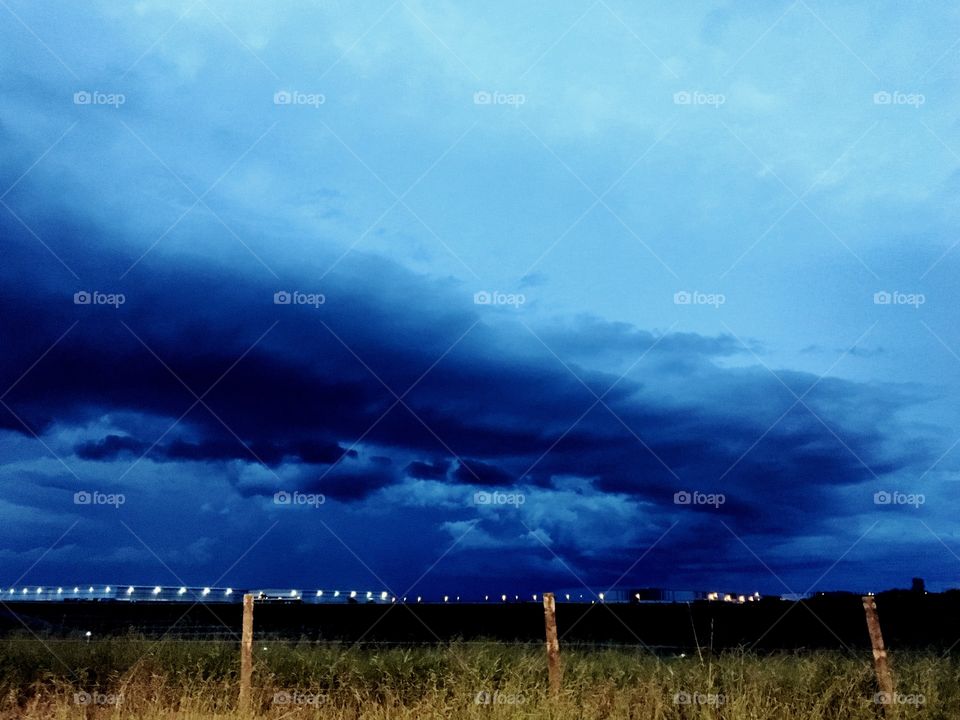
<point x="314" y="406"/>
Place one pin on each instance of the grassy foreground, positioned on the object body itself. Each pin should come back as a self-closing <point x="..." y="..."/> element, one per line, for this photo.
<point x="147" y="680"/>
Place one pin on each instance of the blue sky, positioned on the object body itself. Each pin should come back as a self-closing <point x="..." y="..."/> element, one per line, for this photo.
<point x="785" y="168"/>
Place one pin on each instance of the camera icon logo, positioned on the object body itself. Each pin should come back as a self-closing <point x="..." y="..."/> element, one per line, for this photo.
<point x="682" y="97"/>
<point x="482" y="498"/>
<point x="682" y="698"/>
<point x="682" y="497"/>
<point x="882" y="497"/>
<point x="282" y="698"/>
<point x="82" y="298"/>
<point x="682" y="298"/>
<point x="282" y="97"/>
<point x="882" y="297"/>
<point x="82" y="698"/>
<point x="882" y="98"/>
<point x="482" y="97"/>
<point x="281" y="498"/>
<point x="482" y="298"/>
<point x="282" y="297"/>
<point x="82" y="98"/>
<point x="82" y="498"/>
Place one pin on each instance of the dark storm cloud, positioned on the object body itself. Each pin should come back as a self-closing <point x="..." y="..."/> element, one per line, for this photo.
<point x="316" y="388"/>
<point x="480" y="473"/>
<point x="116" y="446"/>
<point x="427" y="470"/>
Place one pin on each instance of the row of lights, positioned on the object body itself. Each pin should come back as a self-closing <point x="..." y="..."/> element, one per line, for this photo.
<point x="727" y="597"/>
<point x="107" y="590"/>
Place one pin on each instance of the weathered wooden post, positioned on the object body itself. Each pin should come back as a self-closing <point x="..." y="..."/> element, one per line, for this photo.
<point x="553" y="644"/>
<point x="246" y="655"/>
<point x="884" y="677"/>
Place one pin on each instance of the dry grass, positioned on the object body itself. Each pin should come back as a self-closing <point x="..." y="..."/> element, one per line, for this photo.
<point x="197" y="679"/>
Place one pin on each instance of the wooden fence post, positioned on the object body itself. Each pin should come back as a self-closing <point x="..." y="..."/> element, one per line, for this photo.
<point x="246" y="655"/>
<point x="884" y="677"/>
<point x="553" y="644"/>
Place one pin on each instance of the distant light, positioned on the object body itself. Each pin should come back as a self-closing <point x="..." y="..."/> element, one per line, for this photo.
<point x="88" y="633"/>
<point x="39" y="590"/>
<point x="601" y="597"/>
<point x="11" y="591"/>
<point x="25" y="591"/>
<point x="458" y="598"/>
<point x="741" y="598"/>
<point x="206" y="591"/>
<point x="90" y="589"/>
<point x="369" y="594"/>
<point x="393" y="599"/>
<point x="156" y="590"/>
<point x="486" y="597"/>
<point x="353" y="593"/>
<point x="76" y="590"/>
<point x="130" y="590"/>
<point x="59" y="591"/>
<point x="336" y="593"/>
<point x="419" y="598"/>
<point x="383" y="595"/>
<point x="637" y="596"/>
<point x="108" y="589"/>
<point x="293" y="593"/>
<point x="228" y="591"/>
<point x="446" y="598"/>
<point x="182" y="591"/>
<point x="503" y="597"/>
<point x="319" y="593"/>
<point x="534" y="596"/>
<point x="567" y="596"/>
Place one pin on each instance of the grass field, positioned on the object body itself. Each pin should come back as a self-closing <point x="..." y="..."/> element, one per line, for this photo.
<point x="139" y="678"/>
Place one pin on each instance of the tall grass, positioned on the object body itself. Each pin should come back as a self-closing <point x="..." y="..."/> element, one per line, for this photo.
<point x="139" y="678"/>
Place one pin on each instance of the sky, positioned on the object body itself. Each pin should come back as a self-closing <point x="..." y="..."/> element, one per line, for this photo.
<point x="479" y="298"/>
